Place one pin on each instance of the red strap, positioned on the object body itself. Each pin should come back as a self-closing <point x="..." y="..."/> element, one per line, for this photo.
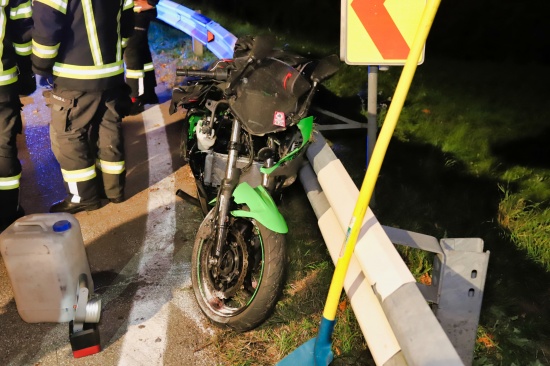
<point x="87" y="351"/>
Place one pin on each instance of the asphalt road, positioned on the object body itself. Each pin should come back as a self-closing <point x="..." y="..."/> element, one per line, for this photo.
<point x="139" y="253"/>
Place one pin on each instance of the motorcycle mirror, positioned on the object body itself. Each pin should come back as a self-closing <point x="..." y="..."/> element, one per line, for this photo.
<point x="263" y="45"/>
<point x="326" y="68"/>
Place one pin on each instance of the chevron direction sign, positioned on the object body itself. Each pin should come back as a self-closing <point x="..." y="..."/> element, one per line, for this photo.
<point x="379" y="32"/>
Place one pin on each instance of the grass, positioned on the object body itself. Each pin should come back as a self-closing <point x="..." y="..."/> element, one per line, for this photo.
<point x="489" y="138"/>
<point x="528" y="225"/>
<point x="469" y="158"/>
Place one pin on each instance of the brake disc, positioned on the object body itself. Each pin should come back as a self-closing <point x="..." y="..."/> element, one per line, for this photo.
<point x="233" y="267"/>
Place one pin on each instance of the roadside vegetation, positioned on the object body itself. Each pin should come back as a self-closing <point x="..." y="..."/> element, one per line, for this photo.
<point x="470" y="157"/>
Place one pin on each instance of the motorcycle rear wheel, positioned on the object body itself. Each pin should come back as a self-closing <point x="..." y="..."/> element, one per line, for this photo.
<point x="242" y="293"/>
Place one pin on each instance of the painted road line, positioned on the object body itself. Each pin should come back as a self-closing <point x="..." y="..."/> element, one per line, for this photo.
<point x="145" y="340"/>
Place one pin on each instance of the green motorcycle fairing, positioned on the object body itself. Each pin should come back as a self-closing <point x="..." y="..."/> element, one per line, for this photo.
<point x="306" y="128"/>
<point x="261" y="205"/>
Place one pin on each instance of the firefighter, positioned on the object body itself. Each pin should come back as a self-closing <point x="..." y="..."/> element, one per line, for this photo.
<point x="140" y="74"/>
<point x="81" y="44"/>
<point x="16" y="78"/>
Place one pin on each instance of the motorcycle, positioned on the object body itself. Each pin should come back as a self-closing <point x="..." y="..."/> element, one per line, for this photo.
<point x="245" y="134"/>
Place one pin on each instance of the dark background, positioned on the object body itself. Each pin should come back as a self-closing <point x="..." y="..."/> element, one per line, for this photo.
<point x="496" y="30"/>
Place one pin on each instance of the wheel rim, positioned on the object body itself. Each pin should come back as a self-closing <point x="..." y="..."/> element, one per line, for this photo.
<point x="230" y="290"/>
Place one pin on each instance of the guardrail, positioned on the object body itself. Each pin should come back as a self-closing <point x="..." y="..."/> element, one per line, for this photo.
<point x="404" y="322"/>
<point x="201" y="28"/>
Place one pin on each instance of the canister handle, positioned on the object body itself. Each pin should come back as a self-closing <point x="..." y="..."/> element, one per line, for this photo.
<point x="31" y="223"/>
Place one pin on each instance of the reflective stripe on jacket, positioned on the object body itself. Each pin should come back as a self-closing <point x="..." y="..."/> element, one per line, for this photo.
<point x="80" y="42"/>
<point x="15" y="35"/>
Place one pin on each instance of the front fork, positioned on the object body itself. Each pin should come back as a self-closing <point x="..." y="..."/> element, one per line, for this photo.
<point x="262" y="207"/>
<point x="228" y="184"/>
<point x="267" y="180"/>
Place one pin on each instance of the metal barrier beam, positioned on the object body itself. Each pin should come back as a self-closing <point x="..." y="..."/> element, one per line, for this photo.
<point x="421" y="338"/>
<point x="203" y="29"/>
<point x="368" y="311"/>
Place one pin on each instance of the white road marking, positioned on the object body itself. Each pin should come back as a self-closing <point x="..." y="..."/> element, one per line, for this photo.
<point x="145" y="339"/>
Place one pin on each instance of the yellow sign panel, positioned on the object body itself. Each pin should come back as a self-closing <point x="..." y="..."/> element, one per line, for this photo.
<point x="379" y="32"/>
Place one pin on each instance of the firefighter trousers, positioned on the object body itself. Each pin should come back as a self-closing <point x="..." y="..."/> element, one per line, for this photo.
<point x="87" y="141"/>
<point x="10" y="167"/>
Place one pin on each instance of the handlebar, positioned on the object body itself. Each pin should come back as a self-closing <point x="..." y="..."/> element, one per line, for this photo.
<point x="218" y="74"/>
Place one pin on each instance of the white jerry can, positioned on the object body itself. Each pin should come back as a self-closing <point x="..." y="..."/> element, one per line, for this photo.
<point x="45" y="259"/>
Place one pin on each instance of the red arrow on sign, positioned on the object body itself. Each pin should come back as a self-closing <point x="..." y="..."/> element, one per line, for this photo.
<point x="380" y="26"/>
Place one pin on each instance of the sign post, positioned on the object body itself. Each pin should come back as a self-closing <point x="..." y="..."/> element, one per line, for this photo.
<point x="378" y="33"/>
<point x="372" y="119"/>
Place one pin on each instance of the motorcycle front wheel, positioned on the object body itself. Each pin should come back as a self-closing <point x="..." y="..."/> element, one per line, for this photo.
<point x="242" y="291"/>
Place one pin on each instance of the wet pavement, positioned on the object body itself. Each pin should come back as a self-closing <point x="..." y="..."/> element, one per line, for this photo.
<point x="139" y="253"/>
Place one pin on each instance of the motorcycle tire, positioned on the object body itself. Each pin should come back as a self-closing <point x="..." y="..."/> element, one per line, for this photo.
<point x="242" y="293"/>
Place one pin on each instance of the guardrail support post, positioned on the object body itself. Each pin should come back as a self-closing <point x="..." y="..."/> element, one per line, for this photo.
<point x="461" y="271"/>
<point x="458" y="282"/>
<point x="198" y="48"/>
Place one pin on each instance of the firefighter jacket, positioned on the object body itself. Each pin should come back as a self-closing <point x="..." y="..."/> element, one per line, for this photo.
<point x="80" y="42"/>
<point x="15" y="35"/>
